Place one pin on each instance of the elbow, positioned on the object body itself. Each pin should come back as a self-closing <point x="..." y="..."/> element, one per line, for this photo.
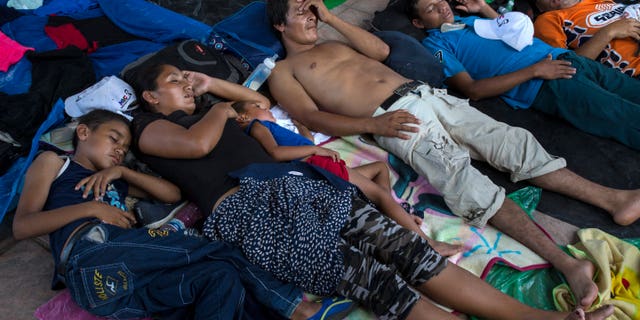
<point x="174" y="195"/>
<point x="200" y="148"/>
<point x="19" y="233"/>
<point x="383" y="52"/>
<point x="474" y="95"/>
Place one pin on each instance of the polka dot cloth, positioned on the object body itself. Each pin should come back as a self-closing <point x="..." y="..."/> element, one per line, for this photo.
<point x="289" y="226"/>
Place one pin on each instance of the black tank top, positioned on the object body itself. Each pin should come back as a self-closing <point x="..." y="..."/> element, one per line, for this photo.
<point x="202" y="180"/>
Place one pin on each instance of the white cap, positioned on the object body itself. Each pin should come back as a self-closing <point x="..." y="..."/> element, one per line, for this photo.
<point x="111" y="93"/>
<point x="513" y="28"/>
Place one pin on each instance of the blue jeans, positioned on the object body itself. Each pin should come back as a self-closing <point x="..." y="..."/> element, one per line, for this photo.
<point x="136" y="273"/>
<point x="411" y="59"/>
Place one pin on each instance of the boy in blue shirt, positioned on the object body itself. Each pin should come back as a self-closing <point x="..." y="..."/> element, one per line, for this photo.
<point x="479" y="62"/>
<point x="116" y="271"/>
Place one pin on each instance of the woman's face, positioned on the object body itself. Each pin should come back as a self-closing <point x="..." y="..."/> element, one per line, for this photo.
<point x="174" y="92"/>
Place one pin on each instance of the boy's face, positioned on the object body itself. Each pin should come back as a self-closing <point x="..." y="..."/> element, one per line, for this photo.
<point x="432" y="14"/>
<point x="174" y="92"/>
<point x="253" y="110"/>
<point x="301" y="26"/>
<point x="106" y="145"/>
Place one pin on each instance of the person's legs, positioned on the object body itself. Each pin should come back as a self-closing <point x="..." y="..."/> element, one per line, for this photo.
<point x="376" y="246"/>
<point x="511" y="220"/>
<point x="456" y="288"/>
<point x="623" y="205"/>
<point x="434" y="154"/>
<point x="451" y="127"/>
<point x="383" y="199"/>
<point x="597" y="100"/>
<point x="376" y="171"/>
<point x="129" y="262"/>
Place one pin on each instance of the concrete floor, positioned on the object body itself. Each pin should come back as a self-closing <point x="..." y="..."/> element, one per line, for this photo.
<point x="26" y="266"/>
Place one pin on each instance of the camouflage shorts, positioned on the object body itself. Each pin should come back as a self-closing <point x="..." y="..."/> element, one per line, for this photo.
<point x="383" y="261"/>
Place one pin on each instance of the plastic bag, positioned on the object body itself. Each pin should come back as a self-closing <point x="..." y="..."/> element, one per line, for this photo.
<point x="527" y="198"/>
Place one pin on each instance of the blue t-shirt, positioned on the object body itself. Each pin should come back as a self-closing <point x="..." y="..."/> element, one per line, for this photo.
<point x="463" y="50"/>
<point x="283" y="136"/>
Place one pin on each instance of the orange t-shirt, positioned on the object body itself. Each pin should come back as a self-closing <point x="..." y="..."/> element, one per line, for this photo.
<point x="572" y="27"/>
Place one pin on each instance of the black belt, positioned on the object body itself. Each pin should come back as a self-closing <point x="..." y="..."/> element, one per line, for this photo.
<point x="400" y="92"/>
<point x="66" y="251"/>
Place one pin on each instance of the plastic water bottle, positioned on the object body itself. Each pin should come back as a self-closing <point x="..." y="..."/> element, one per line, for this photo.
<point x="261" y="73"/>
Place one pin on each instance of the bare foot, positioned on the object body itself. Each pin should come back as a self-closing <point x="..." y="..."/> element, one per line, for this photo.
<point x="599" y="314"/>
<point x="445" y="249"/>
<point x="629" y="210"/>
<point x="580" y="280"/>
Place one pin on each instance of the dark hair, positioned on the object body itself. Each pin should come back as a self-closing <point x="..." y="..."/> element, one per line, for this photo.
<point x="240" y="106"/>
<point x="96" y="118"/>
<point x="410" y="9"/>
<point x="277" y="12"/>
<point x="146" y="80"/>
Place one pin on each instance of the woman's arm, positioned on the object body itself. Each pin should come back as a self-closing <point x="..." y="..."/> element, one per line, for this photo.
<point x="165" y="139"/>
<point x="203" y="83"/>
<point x="31" y="221"/>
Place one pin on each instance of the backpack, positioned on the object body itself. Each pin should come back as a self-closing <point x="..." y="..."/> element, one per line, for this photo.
<point x="191" y="55"/>
<point x="247" y="34"/>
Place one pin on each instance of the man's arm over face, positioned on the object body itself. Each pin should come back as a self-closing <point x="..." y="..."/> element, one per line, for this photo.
<point x="361" y="40"/>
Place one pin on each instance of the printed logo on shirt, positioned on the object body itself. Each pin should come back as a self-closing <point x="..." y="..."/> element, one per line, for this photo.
<point x="611" y="58"/>
<point x="575" y="33"/>
<point x="439" y="56"/>
<point x="609" y="13"/>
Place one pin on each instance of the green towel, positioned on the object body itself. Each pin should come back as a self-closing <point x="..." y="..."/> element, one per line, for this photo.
<point x="333" y="3"/>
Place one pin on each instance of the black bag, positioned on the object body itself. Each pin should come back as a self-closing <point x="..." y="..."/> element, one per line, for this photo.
<point x="191" y="55"/>
<point x="394" y="18"/>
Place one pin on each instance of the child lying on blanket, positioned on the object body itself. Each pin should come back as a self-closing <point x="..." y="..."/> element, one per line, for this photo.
<point x="134" y="273"/>
<point x="372" y="178"/>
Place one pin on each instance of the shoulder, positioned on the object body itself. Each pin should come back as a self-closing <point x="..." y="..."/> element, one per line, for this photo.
<point x="49" y="158"/>
<point x="47" y="163"/>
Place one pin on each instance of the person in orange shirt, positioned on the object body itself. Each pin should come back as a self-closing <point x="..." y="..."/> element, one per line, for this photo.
<point x="602" y="30"/>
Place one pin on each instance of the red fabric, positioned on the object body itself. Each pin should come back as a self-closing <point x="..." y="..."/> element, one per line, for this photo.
<point x="68" y="35"/>
<point x="339" y="168"/>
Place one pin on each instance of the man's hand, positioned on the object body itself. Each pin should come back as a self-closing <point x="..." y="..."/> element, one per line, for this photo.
<point x="200" y="82"/>
<point x="394" y="123"/>
<point x="550" y="69"/>
<point x="111" y="215"/>
<point x="318" y="8"/>
<point x="471" y="6"/>
<point x="99" y="181"/>
<point x="623" y="28"/>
